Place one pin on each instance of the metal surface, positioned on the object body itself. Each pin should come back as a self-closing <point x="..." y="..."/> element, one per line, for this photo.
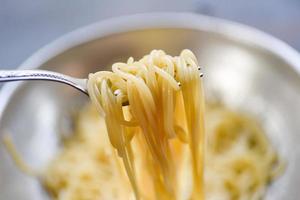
<point x="248" y="70"/>
<point x="43" y="75"/>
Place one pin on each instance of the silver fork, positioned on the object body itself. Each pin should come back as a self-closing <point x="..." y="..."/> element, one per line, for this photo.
<point x="24" y="75"/>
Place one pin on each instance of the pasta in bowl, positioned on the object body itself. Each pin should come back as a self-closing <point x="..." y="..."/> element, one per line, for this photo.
<point x="244" y="69"/>
<point x="157" y="138"/>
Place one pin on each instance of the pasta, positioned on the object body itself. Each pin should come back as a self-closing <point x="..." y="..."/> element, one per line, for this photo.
<point x="153" y="111"/>
<point x="239" y="161"/>
<point x="158" y="111"/>
<point x="87" y="167"/>
<point x="148" y="141"/>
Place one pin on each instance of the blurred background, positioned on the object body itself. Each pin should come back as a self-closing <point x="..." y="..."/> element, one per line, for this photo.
<point x="27" y="25"/>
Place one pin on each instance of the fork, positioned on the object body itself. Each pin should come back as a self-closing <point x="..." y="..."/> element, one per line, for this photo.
<point x="24" y="75"/>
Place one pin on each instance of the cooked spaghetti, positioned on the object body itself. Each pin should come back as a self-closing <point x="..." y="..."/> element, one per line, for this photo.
<point x="161" y="117"/>
<point x="239" y="161"/>
<point x="148" y="143"/>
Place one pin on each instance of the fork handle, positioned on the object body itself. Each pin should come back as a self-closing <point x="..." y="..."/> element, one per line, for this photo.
<point x="22" y="75"/>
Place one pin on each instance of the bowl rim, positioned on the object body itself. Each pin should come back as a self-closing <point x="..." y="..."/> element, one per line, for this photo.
<point x="145" y="21"/>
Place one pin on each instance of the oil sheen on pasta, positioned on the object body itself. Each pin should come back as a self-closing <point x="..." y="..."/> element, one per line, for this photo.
<point x="148" y="142"/>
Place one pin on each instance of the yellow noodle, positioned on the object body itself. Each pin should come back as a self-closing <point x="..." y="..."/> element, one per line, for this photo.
<point x="148" y="143"/>
<point x="151" y="90"/>
<point x="17" y="158"/>
<point x="240" y="162"/>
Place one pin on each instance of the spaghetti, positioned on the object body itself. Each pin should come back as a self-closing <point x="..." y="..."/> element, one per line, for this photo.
<point x="240" y="162"/>
<point x="159" y="113"/>
<point x="148" y="143"/>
